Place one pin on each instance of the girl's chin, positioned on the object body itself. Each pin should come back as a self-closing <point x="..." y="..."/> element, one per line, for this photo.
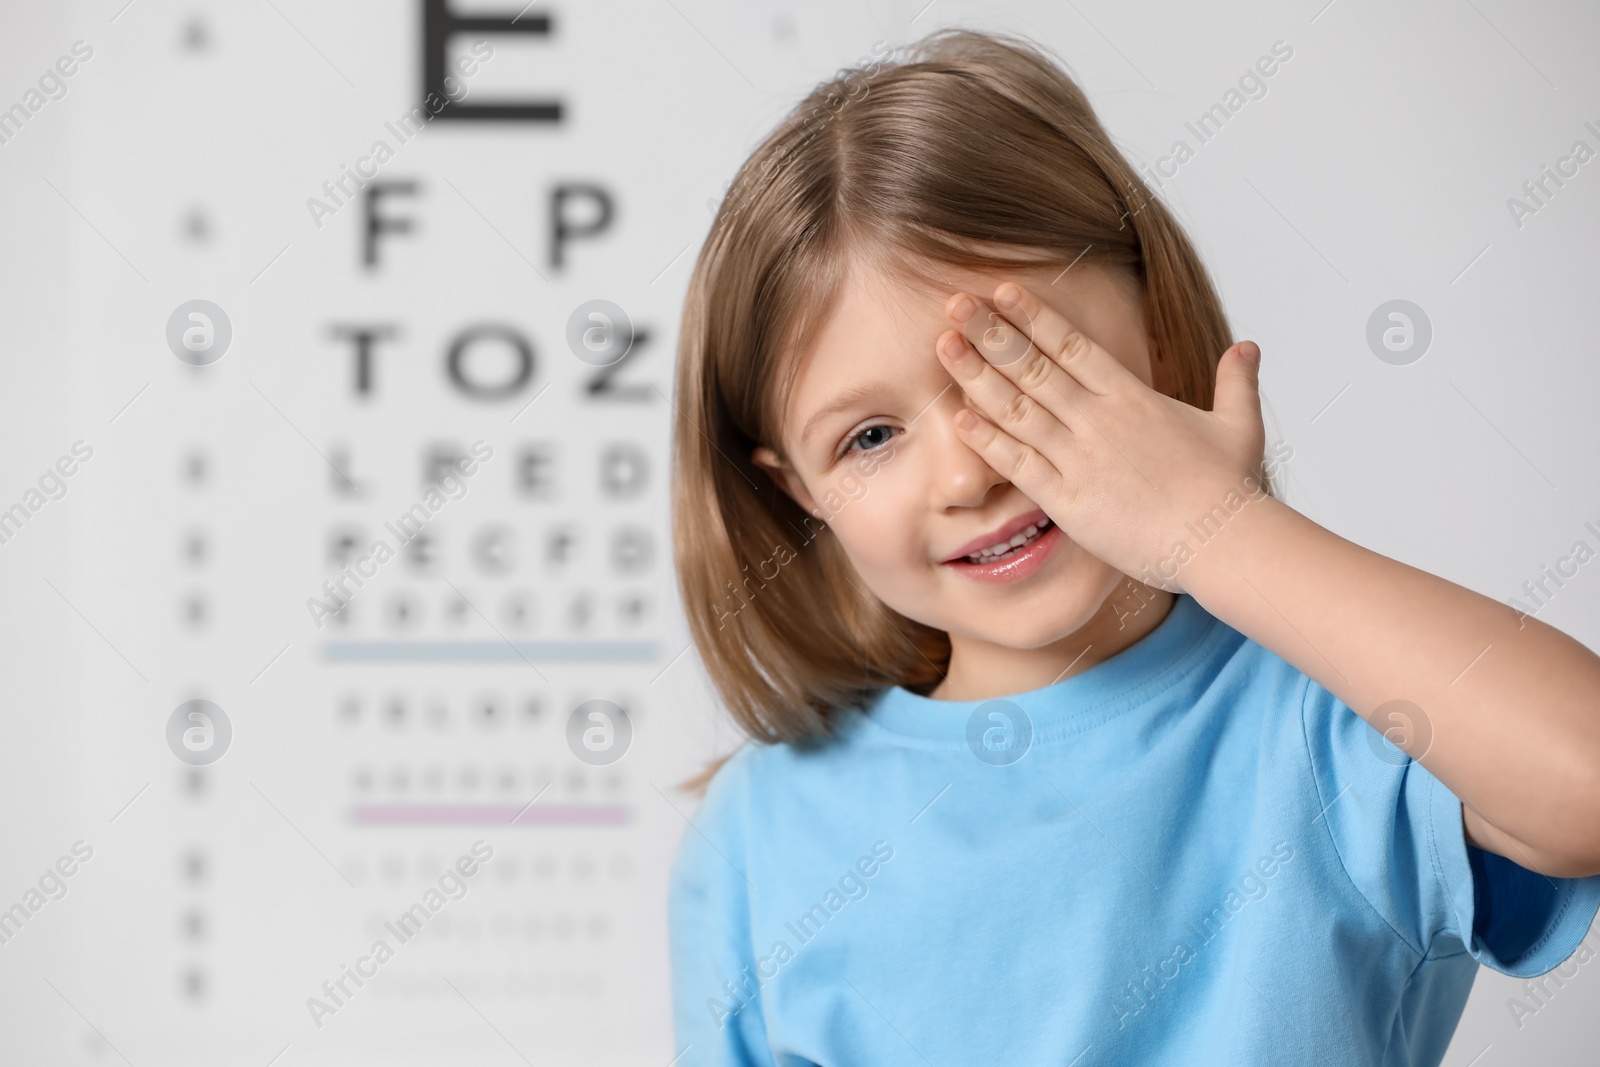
<point x="1030" y="621"/>
<point x="1003" y="633"/>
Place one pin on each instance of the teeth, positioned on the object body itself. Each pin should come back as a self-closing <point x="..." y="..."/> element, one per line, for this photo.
<point x="984" y="555"/>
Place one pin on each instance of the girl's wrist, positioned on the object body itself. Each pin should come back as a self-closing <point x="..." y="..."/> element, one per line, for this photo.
<point x="1224" y="554"/>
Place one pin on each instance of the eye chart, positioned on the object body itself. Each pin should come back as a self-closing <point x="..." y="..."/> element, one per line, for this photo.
<point x="375" y="690"/>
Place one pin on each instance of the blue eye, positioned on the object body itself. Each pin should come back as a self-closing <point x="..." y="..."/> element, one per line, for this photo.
<point x="886" y="432"/>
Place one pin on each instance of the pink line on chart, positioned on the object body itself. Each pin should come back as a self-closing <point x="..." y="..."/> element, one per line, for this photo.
<point x="490" y="814"/>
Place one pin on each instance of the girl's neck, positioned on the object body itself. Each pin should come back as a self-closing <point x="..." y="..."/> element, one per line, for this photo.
<point x="980" y="670"/>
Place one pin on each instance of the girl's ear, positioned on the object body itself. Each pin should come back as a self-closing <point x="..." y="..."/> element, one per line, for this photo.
<point x="784" y="475"/>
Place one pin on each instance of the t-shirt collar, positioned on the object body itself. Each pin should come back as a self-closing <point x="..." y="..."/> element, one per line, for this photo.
<point x="1056" y="708"/>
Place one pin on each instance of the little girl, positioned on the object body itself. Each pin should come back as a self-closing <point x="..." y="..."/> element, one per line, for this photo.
<point x="1071" y="743"/>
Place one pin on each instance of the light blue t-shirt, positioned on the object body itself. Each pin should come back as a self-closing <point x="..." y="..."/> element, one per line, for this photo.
<point x="1201" y="857"/>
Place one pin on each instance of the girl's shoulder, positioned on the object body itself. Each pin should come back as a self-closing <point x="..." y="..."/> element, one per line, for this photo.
<point x="736" y="784"/>
<point x="735" y="814"/>
<point x="726" y="786"/>
<point x="761" y="780"/>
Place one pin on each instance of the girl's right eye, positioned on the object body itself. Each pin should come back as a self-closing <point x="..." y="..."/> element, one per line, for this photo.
<point x="886" y="431"/>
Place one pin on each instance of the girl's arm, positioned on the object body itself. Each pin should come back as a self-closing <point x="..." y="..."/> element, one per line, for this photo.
<point x="1166" y="492"/>
<point x="1509" y="707"/>
<point x="716" y="1006"/>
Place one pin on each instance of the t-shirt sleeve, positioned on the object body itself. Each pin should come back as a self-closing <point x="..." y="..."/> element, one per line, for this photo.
<point x="1397" y="829"/>
<point x="708" y="921"/>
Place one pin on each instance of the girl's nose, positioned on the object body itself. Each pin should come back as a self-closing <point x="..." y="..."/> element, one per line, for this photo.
<point x="961" y="477"/>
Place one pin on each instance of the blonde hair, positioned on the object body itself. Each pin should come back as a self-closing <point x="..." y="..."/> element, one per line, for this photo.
<point x="973" y="139"/>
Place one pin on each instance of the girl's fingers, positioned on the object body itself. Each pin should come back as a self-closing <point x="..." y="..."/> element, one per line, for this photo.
<point x="1008" y="348"/>
<point x="1085" y="362"/>
<point x="1021" y="415"/>
<point x="1022" y="465"/>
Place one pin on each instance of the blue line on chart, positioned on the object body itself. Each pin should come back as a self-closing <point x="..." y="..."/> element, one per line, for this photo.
<point x="490" y="651"/>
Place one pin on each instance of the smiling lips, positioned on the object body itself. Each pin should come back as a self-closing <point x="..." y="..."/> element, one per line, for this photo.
<point x="1010" y="553"/>
<point x="997" y="541"/>
<point x="998" y="551"/>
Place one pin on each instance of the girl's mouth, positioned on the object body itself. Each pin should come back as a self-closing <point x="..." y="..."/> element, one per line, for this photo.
<point x="1011" y="560"/>
<point x="1006" y="549"/>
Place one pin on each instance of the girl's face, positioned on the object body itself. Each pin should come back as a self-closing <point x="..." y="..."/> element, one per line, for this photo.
<point x="872" y="450"/>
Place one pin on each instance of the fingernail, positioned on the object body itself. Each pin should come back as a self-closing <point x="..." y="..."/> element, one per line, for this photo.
<point x="954" y="347"/>
<point x="964" y="308"/>
<point x="966" y="420"/>
<point x="1006" y="296"/>
<point x="1252" y="352"/>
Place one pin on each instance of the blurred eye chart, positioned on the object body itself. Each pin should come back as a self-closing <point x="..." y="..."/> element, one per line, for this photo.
<point x="349" y="736"/>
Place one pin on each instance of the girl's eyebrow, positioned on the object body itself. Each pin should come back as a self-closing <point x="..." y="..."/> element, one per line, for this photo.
<point x="849" y="398"/>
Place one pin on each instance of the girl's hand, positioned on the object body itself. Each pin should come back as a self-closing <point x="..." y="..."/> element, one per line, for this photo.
<point x="1139" y="479"/>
